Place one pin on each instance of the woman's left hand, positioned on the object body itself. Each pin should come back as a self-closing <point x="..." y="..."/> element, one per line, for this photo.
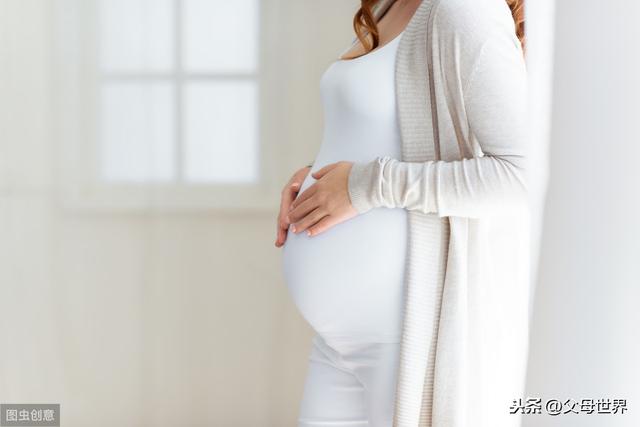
<point x="325" y="203"/>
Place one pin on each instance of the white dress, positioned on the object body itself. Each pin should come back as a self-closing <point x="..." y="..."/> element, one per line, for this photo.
<point x="347" y="282"/>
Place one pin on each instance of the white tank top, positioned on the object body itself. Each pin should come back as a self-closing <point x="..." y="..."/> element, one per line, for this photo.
<point x="347" y="282"/>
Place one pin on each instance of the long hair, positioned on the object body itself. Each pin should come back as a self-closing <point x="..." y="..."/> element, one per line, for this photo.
<point x="364" y="23"/>
<point x="517" y="11"/>
<point x="365" y="26"/>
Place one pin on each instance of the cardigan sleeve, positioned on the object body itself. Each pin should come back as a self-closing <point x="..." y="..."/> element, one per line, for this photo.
<point x="494" y="96"/>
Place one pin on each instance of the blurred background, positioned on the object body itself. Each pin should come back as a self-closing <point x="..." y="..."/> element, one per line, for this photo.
<point x="143" y="147"/>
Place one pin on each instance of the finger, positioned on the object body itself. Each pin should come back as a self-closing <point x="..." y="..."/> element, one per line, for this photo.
<point x="278" y="240"/>
<point x="282" y="236"/>
<point x="301" y="174"/>
<point x="323" y="170"/>
<point x="302" y="210"/>
<point x="286" y="198"/>
<point x="303" y="196"/>
<point x="288" y="195"/>
<point x="323" y="225"/>
<point x="309" y="220"/>
<point x="283" y="223"/>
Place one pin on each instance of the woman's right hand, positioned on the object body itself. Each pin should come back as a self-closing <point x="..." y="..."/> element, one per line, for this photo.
<point x="288" y="195"/>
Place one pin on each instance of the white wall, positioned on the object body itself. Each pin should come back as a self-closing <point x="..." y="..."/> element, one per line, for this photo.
<point x="158" y="319"/>
<point x="585" y="339"/>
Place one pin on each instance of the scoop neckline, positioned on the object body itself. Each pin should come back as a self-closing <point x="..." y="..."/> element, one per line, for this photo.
<point x="378" y="49"/>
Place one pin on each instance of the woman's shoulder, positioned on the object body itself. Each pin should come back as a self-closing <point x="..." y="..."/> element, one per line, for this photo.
<point x="471" y="21"/>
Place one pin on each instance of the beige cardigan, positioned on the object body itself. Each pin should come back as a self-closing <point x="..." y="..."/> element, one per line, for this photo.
<point x="462" y="179"/>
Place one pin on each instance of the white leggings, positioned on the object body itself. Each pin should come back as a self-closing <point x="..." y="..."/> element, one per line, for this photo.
<point x="349" y="384"/>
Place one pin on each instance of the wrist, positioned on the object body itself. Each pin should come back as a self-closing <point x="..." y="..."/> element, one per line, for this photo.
<point x="360" y="185"/>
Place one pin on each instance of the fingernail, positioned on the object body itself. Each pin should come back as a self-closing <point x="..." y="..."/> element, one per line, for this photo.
<point x="295" y="184"/>
<point x="308" y="232"/>
<point x="293" y="228"/>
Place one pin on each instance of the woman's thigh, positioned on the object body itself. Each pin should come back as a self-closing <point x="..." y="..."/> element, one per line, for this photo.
<point x="349" y="384"/>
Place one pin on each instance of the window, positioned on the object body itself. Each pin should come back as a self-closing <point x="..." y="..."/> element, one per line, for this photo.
<point x="170" y="104"/>
<point x="178" y="91"/>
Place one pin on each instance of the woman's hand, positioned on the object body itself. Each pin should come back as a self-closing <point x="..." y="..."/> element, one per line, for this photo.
<point x="289" y="193"/>
<point x="325" y="203"/>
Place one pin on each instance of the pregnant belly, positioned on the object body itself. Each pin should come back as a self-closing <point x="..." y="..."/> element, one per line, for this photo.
<point x="349" y="280"/>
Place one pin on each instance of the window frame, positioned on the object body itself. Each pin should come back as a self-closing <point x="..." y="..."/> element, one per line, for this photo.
<point x="75" y="59"/>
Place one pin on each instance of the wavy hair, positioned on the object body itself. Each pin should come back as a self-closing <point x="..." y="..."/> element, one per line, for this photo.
<point x="364" y="23"/>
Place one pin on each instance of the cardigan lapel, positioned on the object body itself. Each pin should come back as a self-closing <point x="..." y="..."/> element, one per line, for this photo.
<point x="412" y="88"/>
<point x="425" y="275"/>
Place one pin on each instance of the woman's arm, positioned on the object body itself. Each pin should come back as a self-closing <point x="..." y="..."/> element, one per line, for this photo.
<point x="495" y="98"/>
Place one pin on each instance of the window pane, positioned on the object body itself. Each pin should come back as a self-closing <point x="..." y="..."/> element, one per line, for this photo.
<point x="220" y="35"/>
<point x="221" y="131"/>
<point x="136" y="35"/>
<point x="137" y="132"/>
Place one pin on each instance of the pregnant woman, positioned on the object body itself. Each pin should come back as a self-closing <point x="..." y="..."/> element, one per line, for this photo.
<point x="405" y="243"/>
